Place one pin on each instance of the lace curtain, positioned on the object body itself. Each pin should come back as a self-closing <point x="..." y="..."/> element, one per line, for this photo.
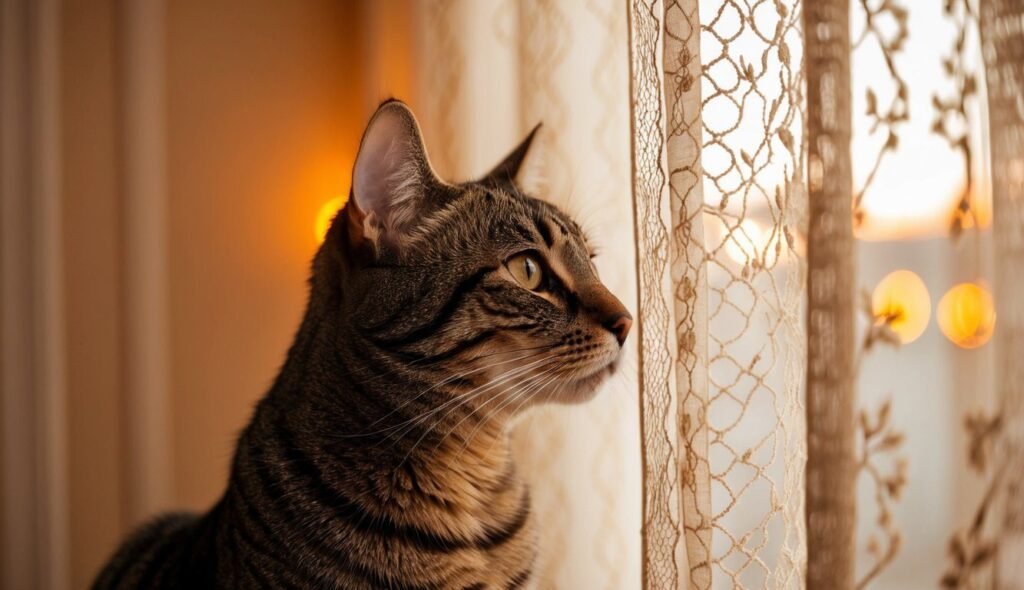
<point x="719" y="207"/>
<point x="706" y="147"/>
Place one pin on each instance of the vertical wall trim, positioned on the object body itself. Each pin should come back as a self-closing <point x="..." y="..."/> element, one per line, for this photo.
<point x="35" y="503"/>
<point x="148" y="469"/>
<point x="19" y="538"/>
<point x="51" y="420"/>
<point x="831" y="404"/>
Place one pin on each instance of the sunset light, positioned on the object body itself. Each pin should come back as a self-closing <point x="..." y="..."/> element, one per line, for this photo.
<point x="902" y="297"/>
<point x="966" y="315"/>
<point x="325" y="216"/>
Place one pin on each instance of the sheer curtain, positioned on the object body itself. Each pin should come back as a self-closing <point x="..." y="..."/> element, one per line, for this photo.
<point x="688" y="469"/>
<point x="484" y="72"/>
<point x="723" y="130"/>
<point x="719" y="202"/>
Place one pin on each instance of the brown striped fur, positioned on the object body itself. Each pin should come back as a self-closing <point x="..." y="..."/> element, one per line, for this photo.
<point x="379" y="458"/>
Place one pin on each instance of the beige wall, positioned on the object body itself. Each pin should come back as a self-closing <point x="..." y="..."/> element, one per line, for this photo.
<point x="91" y="276"/>
<point x="264" y="115"/>
<point x="264" y="105"/>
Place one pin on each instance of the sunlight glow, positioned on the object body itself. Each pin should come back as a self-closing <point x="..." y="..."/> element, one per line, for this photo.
<point x="902" y="296"/>
<point x="325" y="216"/>
<point x="966" y="315"/>
<point x="917" y="188"/>
<point x="747" y="242"/>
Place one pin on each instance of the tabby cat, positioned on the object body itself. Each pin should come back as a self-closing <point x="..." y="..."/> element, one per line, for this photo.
<point x="379" y="458"/>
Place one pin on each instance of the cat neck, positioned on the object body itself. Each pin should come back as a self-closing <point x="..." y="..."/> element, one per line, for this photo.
<point x="401" y="438"/>
<point x="443" y="493"/>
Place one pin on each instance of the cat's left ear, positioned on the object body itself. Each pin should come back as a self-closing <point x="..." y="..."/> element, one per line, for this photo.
<point x="514" y="169"/>
<point x="391" y="178"/>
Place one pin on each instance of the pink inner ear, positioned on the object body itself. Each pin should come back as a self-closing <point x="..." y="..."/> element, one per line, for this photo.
<point x="385" y="145"/>
<point x="391" y="171"/>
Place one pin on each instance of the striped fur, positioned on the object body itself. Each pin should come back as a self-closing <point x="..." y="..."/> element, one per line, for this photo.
<point x="379" y="458"/>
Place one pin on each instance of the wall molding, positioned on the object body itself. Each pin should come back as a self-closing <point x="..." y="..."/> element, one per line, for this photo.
<point x="35" y="547"/>
<point x="142" y="67"/>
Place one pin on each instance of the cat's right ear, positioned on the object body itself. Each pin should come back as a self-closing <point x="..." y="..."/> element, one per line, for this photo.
<point x="512" y="169"/>
<point x="391" y="177"/>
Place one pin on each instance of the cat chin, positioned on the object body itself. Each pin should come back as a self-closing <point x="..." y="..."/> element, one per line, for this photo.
<point x="585" y="389"/>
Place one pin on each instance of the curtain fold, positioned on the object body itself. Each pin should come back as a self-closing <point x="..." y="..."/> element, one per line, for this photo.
<point x="664" y="557"/>
<point x="1002" y="30"/>
<point x="831" y="397"/>
<point x="682" y="82"/>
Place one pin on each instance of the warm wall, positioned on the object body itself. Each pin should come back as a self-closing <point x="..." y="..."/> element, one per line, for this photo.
<point x="91" y="240"/>
<point x="264" y="103"/>
<point x="264" y="115"/>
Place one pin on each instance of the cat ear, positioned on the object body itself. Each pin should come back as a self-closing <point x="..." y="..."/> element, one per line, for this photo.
<point x="511" y="169"/>
<point x="391" y="175"/>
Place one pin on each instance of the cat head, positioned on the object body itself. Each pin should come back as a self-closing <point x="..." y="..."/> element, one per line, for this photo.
<point x="474" y="278"/>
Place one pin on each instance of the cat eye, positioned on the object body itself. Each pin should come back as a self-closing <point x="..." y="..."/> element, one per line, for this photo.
<point x="526" y="269"/>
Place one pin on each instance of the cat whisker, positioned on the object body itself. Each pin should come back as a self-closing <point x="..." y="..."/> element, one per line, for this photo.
<point x="527" y="399"/>
<point x="526" y="384"/>
<point x="425" y="363"/>
<point x="444" y="381"/>
<point x="413" y="420"/>
<point x="423" y="436"/>
<point x="486" y="386"/>
<point x="466" y="397"/>
<point x="523" y="395"/>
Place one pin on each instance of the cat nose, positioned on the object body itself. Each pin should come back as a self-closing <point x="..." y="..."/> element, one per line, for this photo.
<point x="607" y="311"/>
<point x="619" y="325"/>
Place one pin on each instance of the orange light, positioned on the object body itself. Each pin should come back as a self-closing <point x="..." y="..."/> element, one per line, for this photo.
<point x="902" y="297"/>
<point x="751" y="241"/>
<point x="325" y="216"/>
<point x="747" y="242"/>
<point x="966" y="315"/>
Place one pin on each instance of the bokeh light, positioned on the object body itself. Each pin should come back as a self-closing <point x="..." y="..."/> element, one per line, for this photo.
<point x="902" y="297"/>
<point x="325" y="216"/>
<point x="967" y="315"/>
<point x="751" y="241"/>
<point x="746" y="242"/>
